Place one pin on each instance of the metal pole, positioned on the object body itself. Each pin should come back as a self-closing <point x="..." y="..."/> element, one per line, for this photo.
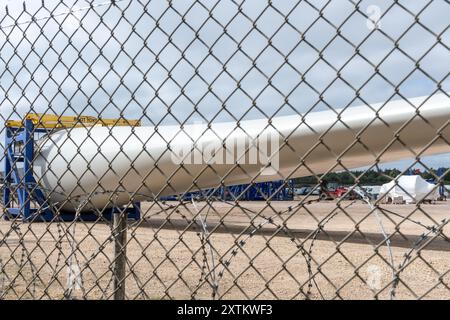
<point x="28" y="166"/>
<point x="120" y="240"/>
<point x="8" y="166"/>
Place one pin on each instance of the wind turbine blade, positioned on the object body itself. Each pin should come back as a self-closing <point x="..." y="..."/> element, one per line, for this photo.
<point x="119" y="164"/>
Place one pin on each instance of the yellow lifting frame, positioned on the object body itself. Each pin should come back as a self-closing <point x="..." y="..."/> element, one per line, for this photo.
<point x="50" y="121"/>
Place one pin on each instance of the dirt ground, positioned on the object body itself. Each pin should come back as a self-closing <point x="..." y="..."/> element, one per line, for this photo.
<point x="254" y="250"/>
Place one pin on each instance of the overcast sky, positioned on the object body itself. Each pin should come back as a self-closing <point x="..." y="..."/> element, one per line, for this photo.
<point x="145" y="58"/>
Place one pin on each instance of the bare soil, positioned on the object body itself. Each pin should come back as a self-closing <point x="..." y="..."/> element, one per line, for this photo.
<point x="254" y="250"/>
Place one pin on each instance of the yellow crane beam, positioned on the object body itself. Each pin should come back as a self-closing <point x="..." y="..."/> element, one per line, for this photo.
<point x="50" y="121"/>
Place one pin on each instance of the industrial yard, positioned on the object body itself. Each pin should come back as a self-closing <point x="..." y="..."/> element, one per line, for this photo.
<point x="165" y="258"/>
<point x="218" y="150"/>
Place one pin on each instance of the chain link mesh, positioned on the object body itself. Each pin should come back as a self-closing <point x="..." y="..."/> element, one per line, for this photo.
<point x="180" y="68"/>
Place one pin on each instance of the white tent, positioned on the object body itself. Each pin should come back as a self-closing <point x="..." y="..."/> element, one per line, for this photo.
<point x="411" y="188"/>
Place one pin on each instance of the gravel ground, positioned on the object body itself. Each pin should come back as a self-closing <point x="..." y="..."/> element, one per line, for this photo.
<point x="254" y="251"/>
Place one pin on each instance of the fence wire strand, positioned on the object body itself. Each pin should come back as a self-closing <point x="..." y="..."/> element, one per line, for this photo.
<point x="125" y="109"/>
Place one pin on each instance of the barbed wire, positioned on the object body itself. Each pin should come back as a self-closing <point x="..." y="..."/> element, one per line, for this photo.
<point x="215" y="238"/>
<point x="72" y="11"/>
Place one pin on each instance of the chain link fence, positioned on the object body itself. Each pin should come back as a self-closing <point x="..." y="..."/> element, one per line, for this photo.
<point x="120" y="181"/>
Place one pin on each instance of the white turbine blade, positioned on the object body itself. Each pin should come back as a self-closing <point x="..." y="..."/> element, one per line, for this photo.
<point x="122" y="159"/>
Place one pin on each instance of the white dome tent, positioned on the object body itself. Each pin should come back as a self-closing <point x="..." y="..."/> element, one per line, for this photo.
<point x="412" y="189"/>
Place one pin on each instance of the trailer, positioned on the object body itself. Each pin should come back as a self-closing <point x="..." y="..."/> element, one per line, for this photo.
<point x="24" y="197"/>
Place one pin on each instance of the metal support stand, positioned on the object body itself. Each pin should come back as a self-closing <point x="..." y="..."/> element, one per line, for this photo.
<point x="19" y="151"/>
<point x="21" y="189"/>
<point x="120" y="241"/>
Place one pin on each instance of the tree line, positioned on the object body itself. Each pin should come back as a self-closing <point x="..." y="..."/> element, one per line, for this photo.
<point x="370" y="177"/>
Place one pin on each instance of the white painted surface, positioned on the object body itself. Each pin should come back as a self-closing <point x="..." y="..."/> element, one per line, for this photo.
<point x="115" y="163"/>
<point x="411" y="189"/>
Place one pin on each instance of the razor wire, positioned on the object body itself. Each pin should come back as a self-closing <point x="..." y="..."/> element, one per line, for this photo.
<point x="169" y="65"/>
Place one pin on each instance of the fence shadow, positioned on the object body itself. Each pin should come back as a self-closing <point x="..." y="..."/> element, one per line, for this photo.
<point x="370" y="238"/>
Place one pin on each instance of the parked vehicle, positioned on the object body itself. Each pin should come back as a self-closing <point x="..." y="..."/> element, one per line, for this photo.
<point x="339" y="192"/>
<point x="307" y="190"/>
<point x="373" y="191"/>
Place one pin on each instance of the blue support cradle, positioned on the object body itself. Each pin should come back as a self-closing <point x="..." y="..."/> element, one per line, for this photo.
<point x="21" y="190"/>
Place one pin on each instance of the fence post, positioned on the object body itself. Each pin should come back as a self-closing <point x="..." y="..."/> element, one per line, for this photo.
<point x="120" y="256"/>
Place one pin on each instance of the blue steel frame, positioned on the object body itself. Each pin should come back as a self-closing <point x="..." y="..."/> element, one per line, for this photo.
<point x="19" y="148"/>
<point x="276" y="190"/>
